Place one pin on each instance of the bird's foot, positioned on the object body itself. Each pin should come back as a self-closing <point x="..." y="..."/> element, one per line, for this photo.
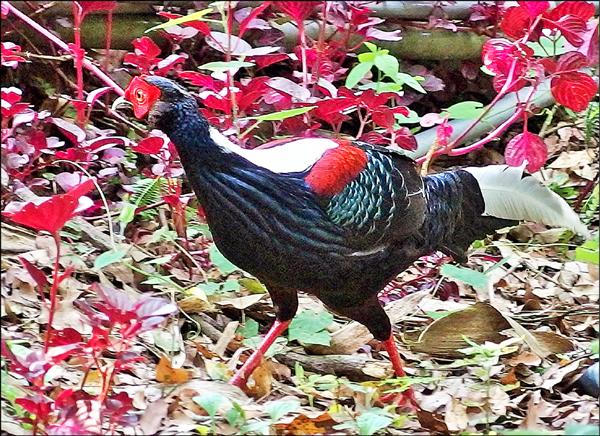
<point x="402" y="400"/>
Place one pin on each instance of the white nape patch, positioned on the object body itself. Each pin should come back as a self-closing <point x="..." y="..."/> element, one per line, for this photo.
<point x="291" y="157"/>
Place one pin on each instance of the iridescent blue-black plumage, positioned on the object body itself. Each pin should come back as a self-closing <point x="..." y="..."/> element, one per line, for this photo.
<point x="344" y="247"/>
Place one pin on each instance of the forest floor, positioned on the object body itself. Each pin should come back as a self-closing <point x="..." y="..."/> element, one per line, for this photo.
<point x="501" y="350"/>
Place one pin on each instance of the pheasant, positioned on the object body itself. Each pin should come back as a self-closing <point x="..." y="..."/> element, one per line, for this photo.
<point x="334" y="218"/>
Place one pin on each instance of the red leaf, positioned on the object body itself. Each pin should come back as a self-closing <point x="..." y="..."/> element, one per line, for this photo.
<point x="298" y="10"/>
<point x="405" y="139"/>
<point x="145" y="46"/>
<point x="52" y="214"/>
<point x="263" y="61"/>
<point x="528" y="147"/>
<point x="199" y="79"/>
<point x="37" y="274"/>
<point x="374" y="138"/>
<point x="330" y="110"/>
<point x="384" y="118"/>
<point x="571" y="61"/>
<point x="515" y="22"/>
<point x="150" y="145"/>
<point x="443" y="133"/>
<point x="583" y="10"/>
<point x="571" y="27"/>
<point x="255" y="12"/>
<point x="534" y="8"/>
<point x="549" y="65"/>
<point x="574" y="90"/>
<point x="593" y="51"/>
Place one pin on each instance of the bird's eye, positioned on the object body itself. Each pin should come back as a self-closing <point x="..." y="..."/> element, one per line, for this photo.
<point x="140" y="96"/>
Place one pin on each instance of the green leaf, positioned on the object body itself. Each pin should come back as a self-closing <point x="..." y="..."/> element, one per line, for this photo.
<point x="236" y="415"/>
<point x="277" y="347"/>
<point x="309" y="327"/>
<point x="366" y="58"/>
<point x="437" y="315"/>
<point x="210" y="402"/>
<point x="191" y="17"/>
<point x="471" y="277"/>
<point x="225" y="66"/>
<point x="371" y="46"/>
<point x="230" y="286"/>
<point x="109" y="257"/>
<point x="127" y="212"/>
<point x="249" y="329"/>
<point x="282" y="115"/>
<point x="209" y="288"/>
<point x="370" y="422"/>
<point x="412" y="118"/>
<point x="574" y="429"/>
<point x="548" y="46"/>
<point x="388" y="64"/>
<point x="465" y="110"/>
<point x="357" y="73"/>
<point x="278" y="409"/>
<point x="409" y="80"/>
<point x="381" y="87"/>
<point x="253" y="285"/>
<point x="588" y="252"/>
<point x="594" y="347"/>
<point x="220" y="261"/>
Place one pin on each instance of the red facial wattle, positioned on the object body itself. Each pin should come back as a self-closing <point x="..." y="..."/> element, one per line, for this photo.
<point x="142" y="96"/>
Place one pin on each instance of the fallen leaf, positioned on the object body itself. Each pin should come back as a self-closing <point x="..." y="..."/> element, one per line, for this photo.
<point x="261" y="380"/>
<point x="241" y="303"/>
<point x="304" y="425"/>
<point x="151" y="420"/>
<point x="226" y="337"/>
<point x="556" y="373"/>
<point x="444" y="337"/>
<point x="165" y="373"/>
<point x="554" y="343"/>
<point x="526" y="358"/>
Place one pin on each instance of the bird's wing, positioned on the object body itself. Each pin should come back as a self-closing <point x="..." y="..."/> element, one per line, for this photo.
<point x="374" y="194"/>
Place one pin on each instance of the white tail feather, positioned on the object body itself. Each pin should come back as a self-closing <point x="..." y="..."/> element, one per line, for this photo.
<point x="509" y="195"/>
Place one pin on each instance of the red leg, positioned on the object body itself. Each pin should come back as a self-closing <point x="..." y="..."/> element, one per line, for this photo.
<point x="406" y="398"/>
<point x="240" y="377"/>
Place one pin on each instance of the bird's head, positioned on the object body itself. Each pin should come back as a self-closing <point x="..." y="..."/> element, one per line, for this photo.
<point x="157" y="97"/>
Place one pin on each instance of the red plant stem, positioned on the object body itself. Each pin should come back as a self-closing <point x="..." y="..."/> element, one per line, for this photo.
<point x="60" y="43"/>
<point x="496" y="132"/>
<point x="302" y="36"/>
<point x="78" y="58"/>
<point x="507" y="85"/>
<point x="53" y="290"/>
<point x="106" y="60"/>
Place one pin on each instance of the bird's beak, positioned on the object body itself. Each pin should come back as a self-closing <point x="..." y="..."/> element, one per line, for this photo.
<point x="120" y="101"/>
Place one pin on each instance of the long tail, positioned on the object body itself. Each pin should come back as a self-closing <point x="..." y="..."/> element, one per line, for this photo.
<point x="468" y="204"/>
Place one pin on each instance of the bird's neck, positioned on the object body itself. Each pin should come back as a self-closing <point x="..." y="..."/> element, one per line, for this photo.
<point x="186" y="127"/>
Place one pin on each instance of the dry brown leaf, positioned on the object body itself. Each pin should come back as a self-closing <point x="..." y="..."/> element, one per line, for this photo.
<point x="556" y="373"/>
<point x="152" y="418"/>
<point x="526" y="358"/>
<point x="196" y="305"/>
<point x="303" y="425"/>
<point x="226" y="337"/>
<point x="261" y="380"/>
<point x="444" y="337"/>
<point x="165" y="373"/>
<point x="554" y="343"/>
